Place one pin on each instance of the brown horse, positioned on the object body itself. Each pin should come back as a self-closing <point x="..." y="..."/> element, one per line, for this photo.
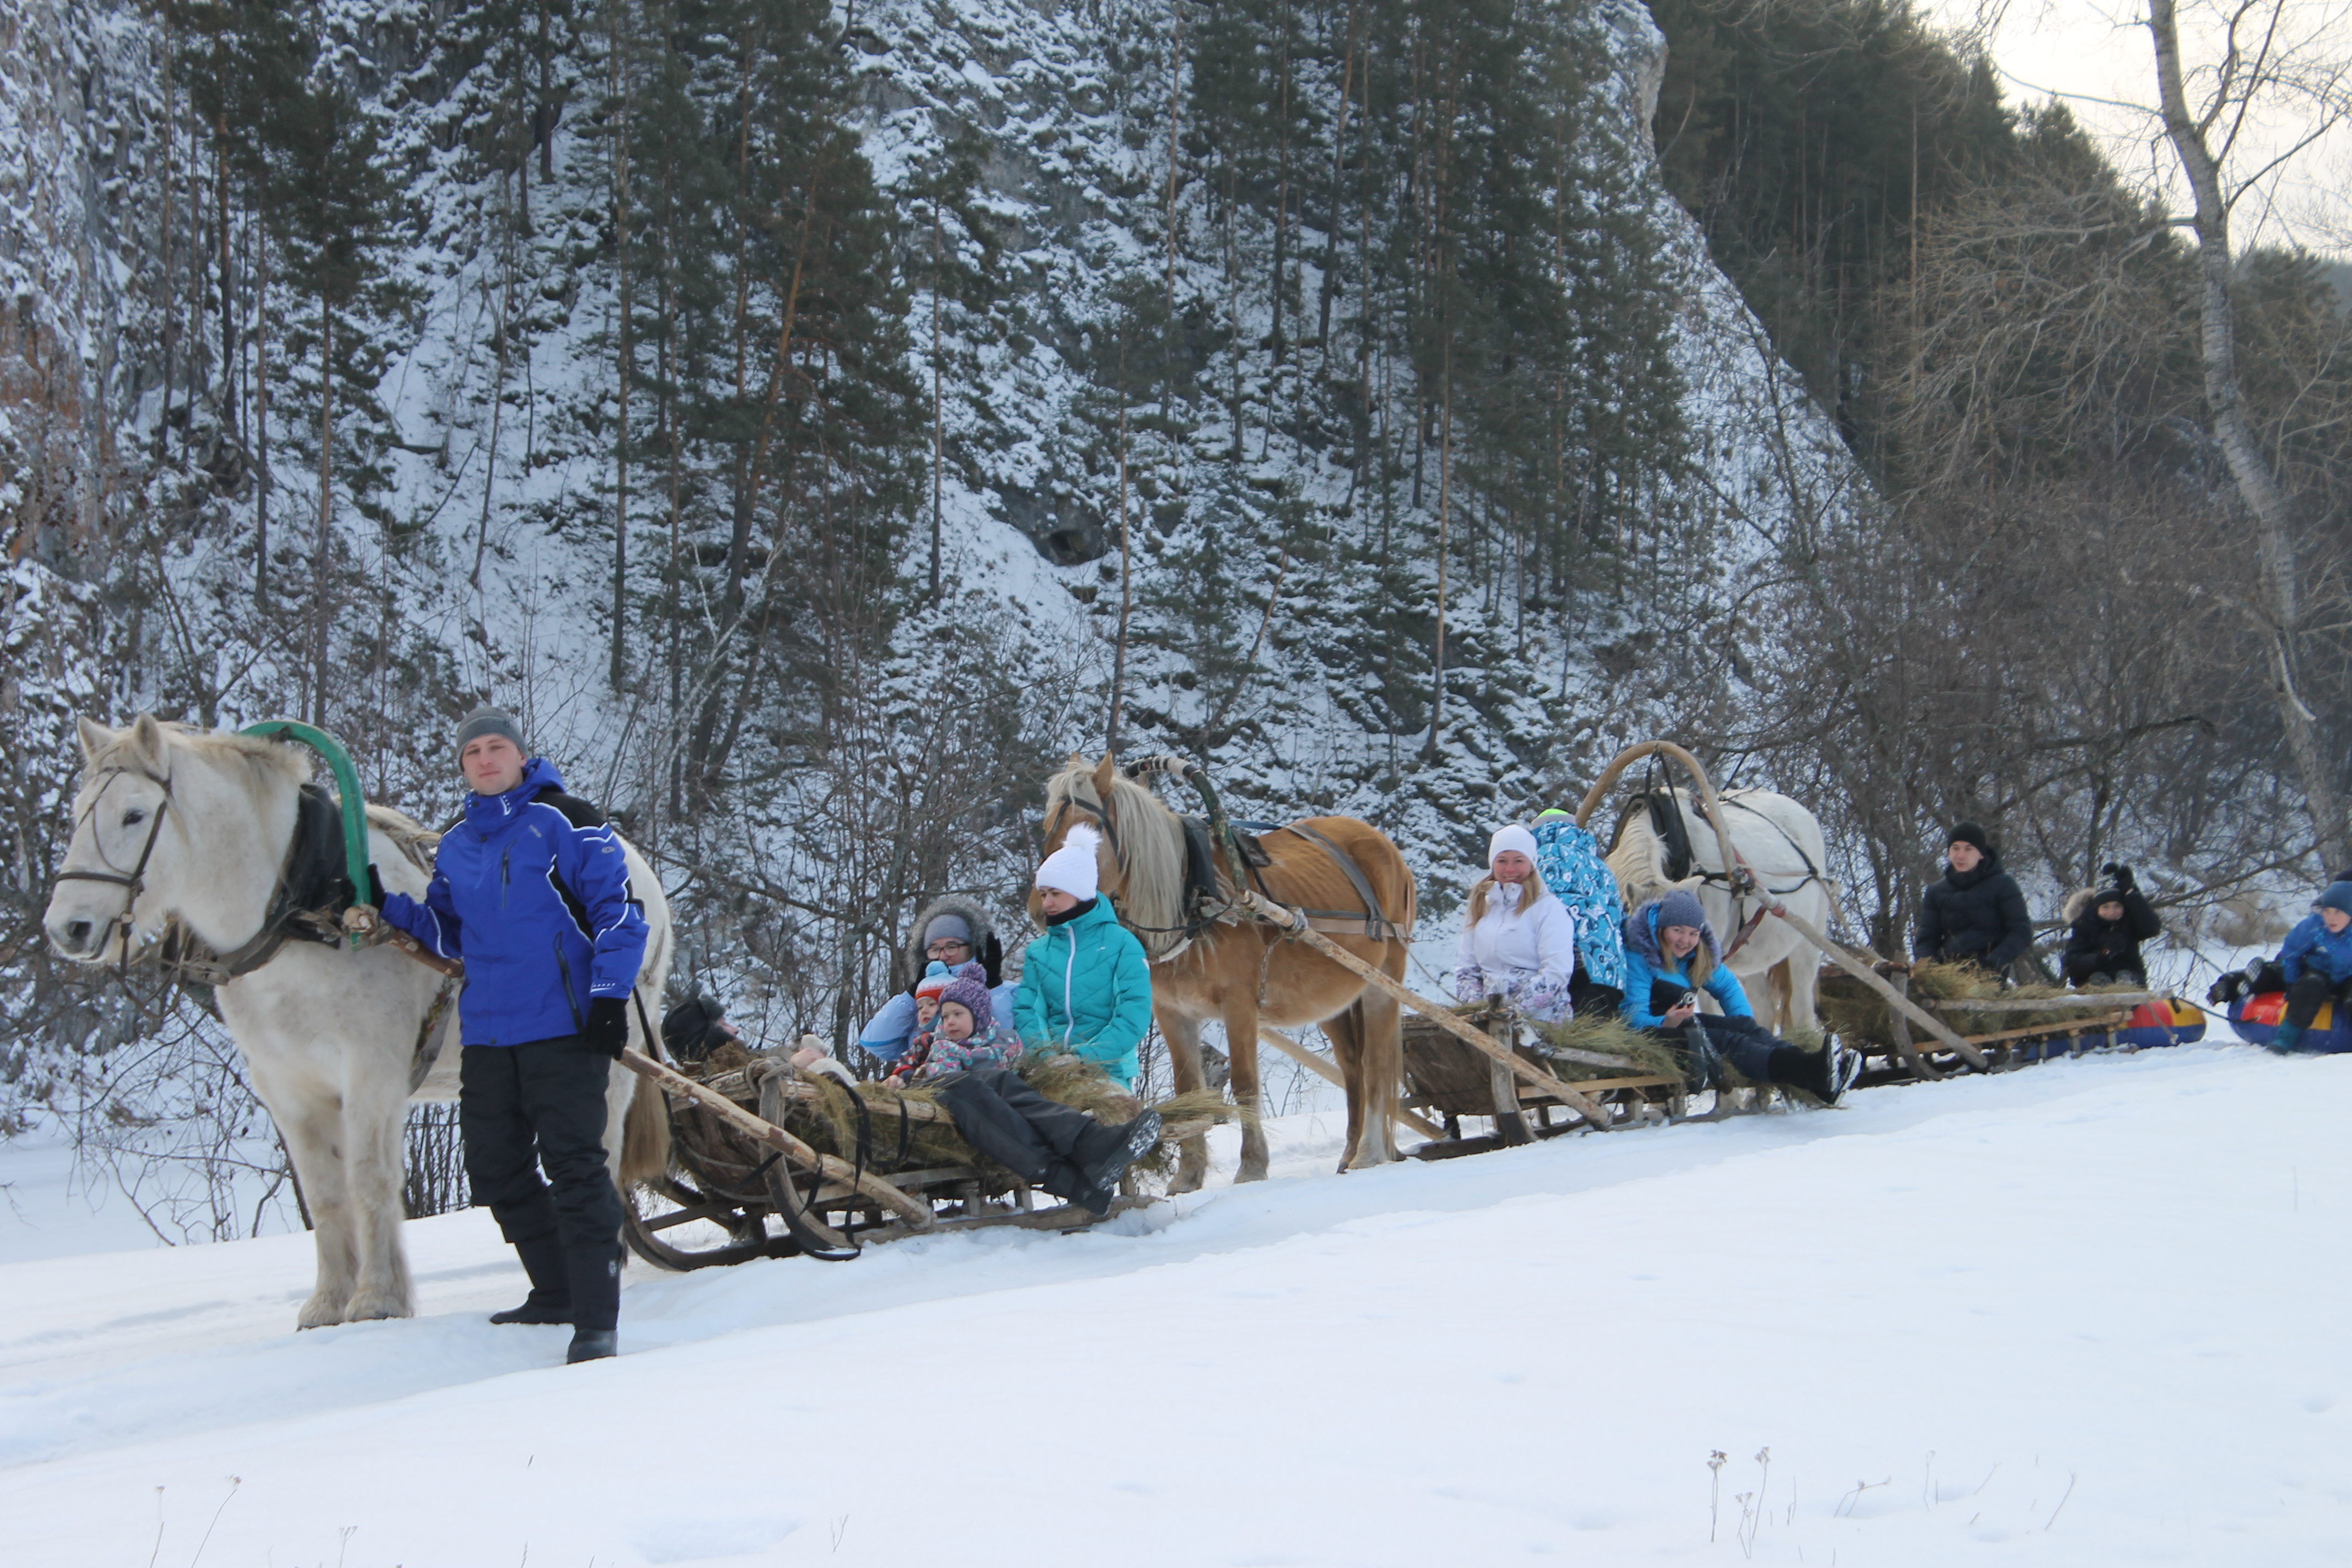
<point x="1240" y="971"/>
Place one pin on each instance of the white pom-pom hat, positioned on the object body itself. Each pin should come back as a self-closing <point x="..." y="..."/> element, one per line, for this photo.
<point x="1071" y="869"/>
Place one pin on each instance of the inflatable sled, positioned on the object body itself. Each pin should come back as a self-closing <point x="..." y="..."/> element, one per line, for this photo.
<point x="2257" y="1019"/>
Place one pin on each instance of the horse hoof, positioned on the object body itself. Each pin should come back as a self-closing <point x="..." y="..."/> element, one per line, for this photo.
<point x="371" y="1305"/>
<point x="1250" y="1173"/>
<point x="320" y="1312"/>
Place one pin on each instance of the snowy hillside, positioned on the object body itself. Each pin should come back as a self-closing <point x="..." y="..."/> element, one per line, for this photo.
<point x="2084" y="1314"/>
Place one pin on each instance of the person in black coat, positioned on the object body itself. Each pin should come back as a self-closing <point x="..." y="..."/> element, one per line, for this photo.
<point x="1976" y="914"/>
<point x="2107" y="927"/>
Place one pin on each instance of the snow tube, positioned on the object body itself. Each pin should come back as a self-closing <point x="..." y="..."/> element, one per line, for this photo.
<point x="2150" y="1025"/>
<point x="2256" y="1018"/>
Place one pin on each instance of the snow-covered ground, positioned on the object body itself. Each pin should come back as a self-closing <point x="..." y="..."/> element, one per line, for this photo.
<point x="2086" y="1313"/>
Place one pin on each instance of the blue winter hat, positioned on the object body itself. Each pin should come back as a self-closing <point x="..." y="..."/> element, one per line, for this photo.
<point x="1681" y="908"/>
<point x="2338" y="897"/>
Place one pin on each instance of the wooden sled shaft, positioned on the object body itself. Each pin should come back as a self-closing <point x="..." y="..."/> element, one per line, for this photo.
<point x="1314" y="1064"/>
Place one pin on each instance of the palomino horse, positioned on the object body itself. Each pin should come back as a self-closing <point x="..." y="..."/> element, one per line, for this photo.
<point x="1241" y="972"/>
<point x="175" y="827"/>
<point x="1782" y="843"/>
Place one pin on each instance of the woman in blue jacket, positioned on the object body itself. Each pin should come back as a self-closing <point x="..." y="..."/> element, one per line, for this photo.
<point x="531" y="890"/>
<point x="1672" y="954"/>
<point x="2318" y="964"/>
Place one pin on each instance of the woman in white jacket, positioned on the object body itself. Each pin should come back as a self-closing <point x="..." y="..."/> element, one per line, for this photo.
<point x="1520" y="941"/>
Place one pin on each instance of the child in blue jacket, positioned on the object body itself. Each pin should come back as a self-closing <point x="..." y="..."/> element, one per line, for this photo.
<point x="2318" y="964"/>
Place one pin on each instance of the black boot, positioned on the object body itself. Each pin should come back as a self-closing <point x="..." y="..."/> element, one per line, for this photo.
<point x="1824" y="1074"/>
<point x="549" y="1300"/>
<point x="595" y="1273"/>
<point x="1127" y="1143"/>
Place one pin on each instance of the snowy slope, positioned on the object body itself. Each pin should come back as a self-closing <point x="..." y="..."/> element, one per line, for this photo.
<point x="2085" y="1313"/>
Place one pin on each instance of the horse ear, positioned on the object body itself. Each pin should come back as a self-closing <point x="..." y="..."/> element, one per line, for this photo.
<point x="1106" y="775"/>
<point x="147" y="740"/>
<point x="95" y="738"/>
<point x="1075" y="760"/>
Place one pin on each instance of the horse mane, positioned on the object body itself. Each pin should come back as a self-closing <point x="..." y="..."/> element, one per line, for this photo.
<point x="264" y="757"/>
<point x="1151" y="853"/>
<point x="1638" y="861"/>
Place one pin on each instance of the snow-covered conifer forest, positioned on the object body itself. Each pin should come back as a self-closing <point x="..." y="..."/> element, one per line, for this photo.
<point x="816" y="422"/>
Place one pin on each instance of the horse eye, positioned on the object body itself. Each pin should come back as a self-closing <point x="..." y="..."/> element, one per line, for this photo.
<point x="134" y="816"/>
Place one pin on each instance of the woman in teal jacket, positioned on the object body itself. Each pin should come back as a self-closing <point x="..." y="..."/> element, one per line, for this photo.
<point x="1085" y="986"/>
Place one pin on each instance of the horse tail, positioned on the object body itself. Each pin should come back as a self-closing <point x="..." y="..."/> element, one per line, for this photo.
<point x="645" y="1128"/>
<point x="645" y="1136"/>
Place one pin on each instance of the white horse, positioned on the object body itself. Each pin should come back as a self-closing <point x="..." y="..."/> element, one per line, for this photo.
<point x="1782" y="843"/>
<point x="175" y="827"/>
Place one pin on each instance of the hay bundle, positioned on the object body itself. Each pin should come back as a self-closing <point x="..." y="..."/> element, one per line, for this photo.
<point x="1645" y="1052"/>
<point x="1860" y="1016"/>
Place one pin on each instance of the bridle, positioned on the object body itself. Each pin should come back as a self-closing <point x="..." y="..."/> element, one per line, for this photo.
<point x="1099" y="812"/>
<point x="132" y="882"/>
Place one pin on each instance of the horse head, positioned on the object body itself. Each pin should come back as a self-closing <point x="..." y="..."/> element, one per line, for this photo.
<point x="1650" y="854"/>
<point x="171" y="823"/>
<point x="1141" y="860"/>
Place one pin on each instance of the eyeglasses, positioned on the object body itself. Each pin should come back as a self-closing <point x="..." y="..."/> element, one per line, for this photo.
<point x="946" y="945"/>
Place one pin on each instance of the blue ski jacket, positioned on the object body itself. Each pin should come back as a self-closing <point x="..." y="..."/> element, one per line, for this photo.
<point x="531" y="890"/>
<point x="1654" y="982"/>
<point x="1086" y="988"/>
<point x="2312" y="947"/>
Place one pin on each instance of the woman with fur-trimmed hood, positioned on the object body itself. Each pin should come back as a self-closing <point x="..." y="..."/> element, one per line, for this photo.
<point x="951" y="930"/>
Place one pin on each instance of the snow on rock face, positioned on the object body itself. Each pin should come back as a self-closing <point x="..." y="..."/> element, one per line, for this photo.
<point x="2086" y="1314"/>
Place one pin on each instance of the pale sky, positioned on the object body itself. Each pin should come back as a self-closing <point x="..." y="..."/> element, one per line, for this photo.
<point x="2097" y="53"/>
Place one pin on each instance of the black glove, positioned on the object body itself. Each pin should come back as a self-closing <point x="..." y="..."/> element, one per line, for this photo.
<point x="2118" y="875"/>
<point x="373" y="894"/>
<point x="608" y="1026"/>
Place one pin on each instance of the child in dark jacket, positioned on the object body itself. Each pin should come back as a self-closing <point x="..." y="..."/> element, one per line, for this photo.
<point x="2317" y="962"/>
<point x="2107" y="928"/>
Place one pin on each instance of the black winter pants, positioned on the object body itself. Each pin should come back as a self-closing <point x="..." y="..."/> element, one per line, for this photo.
<point x="1042" y="1141"/>
<point x="2081" y="966"/>
<point x="1756" y="1055"/>
<point x="524" y="1107"/>
<point x="2306" y="995"/>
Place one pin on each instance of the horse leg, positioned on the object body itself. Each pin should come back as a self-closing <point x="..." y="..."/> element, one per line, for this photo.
<point x="1346" y="1031"/>
<point x="1183" y="1037"/>
<point x="375" y="1138"/>
<point x="1776" y="990"/>
<point x="1240" y="1015"/>
<point x="1368" y="1039"/>
<point x="312" y="1132"/>
<point x="1804" y="989"/>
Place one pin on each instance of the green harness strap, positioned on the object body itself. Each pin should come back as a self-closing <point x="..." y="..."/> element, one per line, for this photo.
<point x="347" y="786"/>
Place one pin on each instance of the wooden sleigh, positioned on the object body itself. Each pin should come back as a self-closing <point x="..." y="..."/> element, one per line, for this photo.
<point x="1455" y="1080"/>
<point x="735" y="1166"/>
<point x="2037" y="1029"/>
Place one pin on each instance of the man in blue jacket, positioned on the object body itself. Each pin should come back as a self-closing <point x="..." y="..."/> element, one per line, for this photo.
<point x="531" y="890"/>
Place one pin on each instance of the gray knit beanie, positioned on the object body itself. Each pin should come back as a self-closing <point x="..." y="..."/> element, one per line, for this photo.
<point x="1681" y="908"/>
<point x="488" y="721"/>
